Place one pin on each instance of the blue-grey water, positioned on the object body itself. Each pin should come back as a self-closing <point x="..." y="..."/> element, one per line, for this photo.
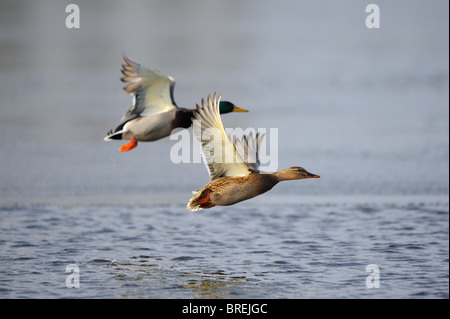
<point x="244" y="252"/>
<point x="366" y="109"/>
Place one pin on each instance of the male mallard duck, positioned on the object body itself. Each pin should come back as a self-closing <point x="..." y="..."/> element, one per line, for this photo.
<point x="154" y="113"/>
<point x="233" y="168"/>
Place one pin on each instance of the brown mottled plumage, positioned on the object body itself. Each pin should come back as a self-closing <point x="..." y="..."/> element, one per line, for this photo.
<point x="232" y="182"/>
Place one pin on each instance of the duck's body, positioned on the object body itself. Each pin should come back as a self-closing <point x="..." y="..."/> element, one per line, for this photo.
<point x="152" y="128"/>
<point x="235" y="180"/>
<point x="154" y="113"/>
<point x="227" y="191"/>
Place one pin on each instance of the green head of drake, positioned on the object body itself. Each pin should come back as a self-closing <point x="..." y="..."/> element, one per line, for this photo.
<point x="227" y="107"/>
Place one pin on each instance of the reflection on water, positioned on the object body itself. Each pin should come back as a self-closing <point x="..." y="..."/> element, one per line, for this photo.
<point x="213" y="285"/>
<point x="298" y="252"/>
<point x="148" y="278"/>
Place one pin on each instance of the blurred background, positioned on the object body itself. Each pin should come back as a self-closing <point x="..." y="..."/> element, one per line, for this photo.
<point x="367" y="109"/>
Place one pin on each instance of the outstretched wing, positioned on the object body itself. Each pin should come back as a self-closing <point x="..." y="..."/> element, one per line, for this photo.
<point x="217" y="148"/>
<point x="248" y="148"/>
<point x="152" y="91"/>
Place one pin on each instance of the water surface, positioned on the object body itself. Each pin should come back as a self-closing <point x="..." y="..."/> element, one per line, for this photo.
<point x="296" y="251"/>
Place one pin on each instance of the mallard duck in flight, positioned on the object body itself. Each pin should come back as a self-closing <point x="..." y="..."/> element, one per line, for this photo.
<point x="233" y="169"/>
<point x="154" y="113"/>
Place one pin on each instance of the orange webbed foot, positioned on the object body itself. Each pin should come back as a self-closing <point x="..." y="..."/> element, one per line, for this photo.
<point x="133" y="143"/>
<point x="205" y="199"/>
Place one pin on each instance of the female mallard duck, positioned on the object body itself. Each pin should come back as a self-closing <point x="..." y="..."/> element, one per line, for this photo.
<point x="153" y="114"/>
<point x="233" y="168"/>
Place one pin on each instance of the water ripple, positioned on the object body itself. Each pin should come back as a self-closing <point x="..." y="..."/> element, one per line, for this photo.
<point x="157" y="253"/>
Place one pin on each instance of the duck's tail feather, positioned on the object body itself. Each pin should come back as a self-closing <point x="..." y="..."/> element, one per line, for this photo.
<point x="114" y="135"/>
<point x="193" y="205"/>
